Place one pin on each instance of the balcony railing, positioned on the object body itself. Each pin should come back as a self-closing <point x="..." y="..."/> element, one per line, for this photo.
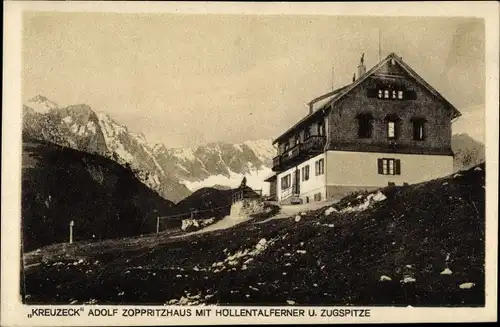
<point x="312" y="145"/>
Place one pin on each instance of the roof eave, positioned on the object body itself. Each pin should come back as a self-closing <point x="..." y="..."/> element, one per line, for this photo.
<point x="302" y="121"/>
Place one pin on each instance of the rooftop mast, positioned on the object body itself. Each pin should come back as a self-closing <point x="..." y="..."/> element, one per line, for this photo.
<point x="379" y="48"/>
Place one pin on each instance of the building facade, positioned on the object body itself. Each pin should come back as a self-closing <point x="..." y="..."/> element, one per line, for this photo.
<point x="388" y="127"/>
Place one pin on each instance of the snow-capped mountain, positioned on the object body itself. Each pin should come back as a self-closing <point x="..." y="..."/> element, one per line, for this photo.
<point x="173" y="173"/>
<point x="220" y="163"/>
<point x="41" y="104"/>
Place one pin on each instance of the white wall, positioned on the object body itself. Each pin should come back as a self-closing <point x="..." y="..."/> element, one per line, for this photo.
<point x="315" y="184"/>
<point x="344" y="168"/>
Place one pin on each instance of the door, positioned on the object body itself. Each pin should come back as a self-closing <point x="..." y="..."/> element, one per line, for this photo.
<point x="272" y="190"/>
<point x="297" y="181"/>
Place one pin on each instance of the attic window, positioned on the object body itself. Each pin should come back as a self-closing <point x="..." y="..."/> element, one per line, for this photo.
<point x="392" y="94"/>
<point x="393" y="62"/>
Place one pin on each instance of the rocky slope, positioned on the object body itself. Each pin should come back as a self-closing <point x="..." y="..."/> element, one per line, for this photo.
<point x="103" y="198"/>
<point x="468" y="152"/>
<point x="419" y="245"/>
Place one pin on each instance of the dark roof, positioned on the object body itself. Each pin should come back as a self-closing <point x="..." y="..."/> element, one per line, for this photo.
<point x="335" y="95"/>
<point x="319" y="103"/>
<point x="271" y="178"/>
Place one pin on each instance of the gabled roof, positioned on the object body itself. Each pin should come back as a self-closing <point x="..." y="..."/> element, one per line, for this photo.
<point x="334" y="96"/>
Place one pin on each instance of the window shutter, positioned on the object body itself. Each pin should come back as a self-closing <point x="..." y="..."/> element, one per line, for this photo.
<point x="380" y="166"/>
<point x="410" y="95"/>
<point x="397" y="167"/>
<point x="372" y="93"/>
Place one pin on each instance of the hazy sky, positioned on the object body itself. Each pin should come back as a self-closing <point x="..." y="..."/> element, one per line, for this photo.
<point x="185" y="80"/>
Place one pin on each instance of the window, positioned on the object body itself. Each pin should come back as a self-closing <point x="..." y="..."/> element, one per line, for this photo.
<point x="321" y="129"/>
<point x="305" y="173"/>
<point x="392" y="122"/>
<point x="418" y="129"/>
<point x="297" y="139"/>
<point x="320" y="167"/>
<point x="287" y="146"/>
<point x="317" y="197"/>
<point x="391" y="129"/>
<point x="391" y="93"/>
<point x="307" y="133"/>
<point x="388" y="166"/>
<point x="365" y="125"/>
<point x="286" y="182"/>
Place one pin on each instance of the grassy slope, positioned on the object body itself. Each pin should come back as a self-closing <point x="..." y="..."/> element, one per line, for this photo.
<point x="417" y="232"/>
<point x="104" y="199"/>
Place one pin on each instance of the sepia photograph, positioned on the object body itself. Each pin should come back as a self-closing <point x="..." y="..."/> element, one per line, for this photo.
<point x="252" y="160"/>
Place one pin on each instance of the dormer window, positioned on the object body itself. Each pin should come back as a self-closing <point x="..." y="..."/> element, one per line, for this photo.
<point x="365" y="125"/>
<point x="386" y="94"/>
<point x="400" y="95"/>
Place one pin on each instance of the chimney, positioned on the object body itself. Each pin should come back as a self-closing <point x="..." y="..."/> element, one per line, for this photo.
<point x="310" y="107"/>
<point x="361" y="66"/>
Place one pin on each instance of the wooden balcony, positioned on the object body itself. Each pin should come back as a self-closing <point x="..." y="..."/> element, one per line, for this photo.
<point x="312" y="145"/>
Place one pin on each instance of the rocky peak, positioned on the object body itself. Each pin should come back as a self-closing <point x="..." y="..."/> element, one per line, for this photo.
<point x="41" y="104"/>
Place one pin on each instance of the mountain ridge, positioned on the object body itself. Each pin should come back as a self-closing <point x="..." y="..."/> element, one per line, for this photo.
<point x="174" y="173"/>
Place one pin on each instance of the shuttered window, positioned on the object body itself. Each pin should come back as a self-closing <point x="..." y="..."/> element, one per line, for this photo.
<point x="419" y="129"/>
<point x="305" y="173"/>
<point x="391" y="129"/>
<point x="286" y="182"/>
<point x="365" y="125"/>
<point x="392" y="124"/>
<point x="320" y="167"/>
<point x="389" y="166"/>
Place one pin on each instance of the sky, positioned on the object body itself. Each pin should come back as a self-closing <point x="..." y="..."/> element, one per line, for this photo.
<point x="185" y="79"/>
